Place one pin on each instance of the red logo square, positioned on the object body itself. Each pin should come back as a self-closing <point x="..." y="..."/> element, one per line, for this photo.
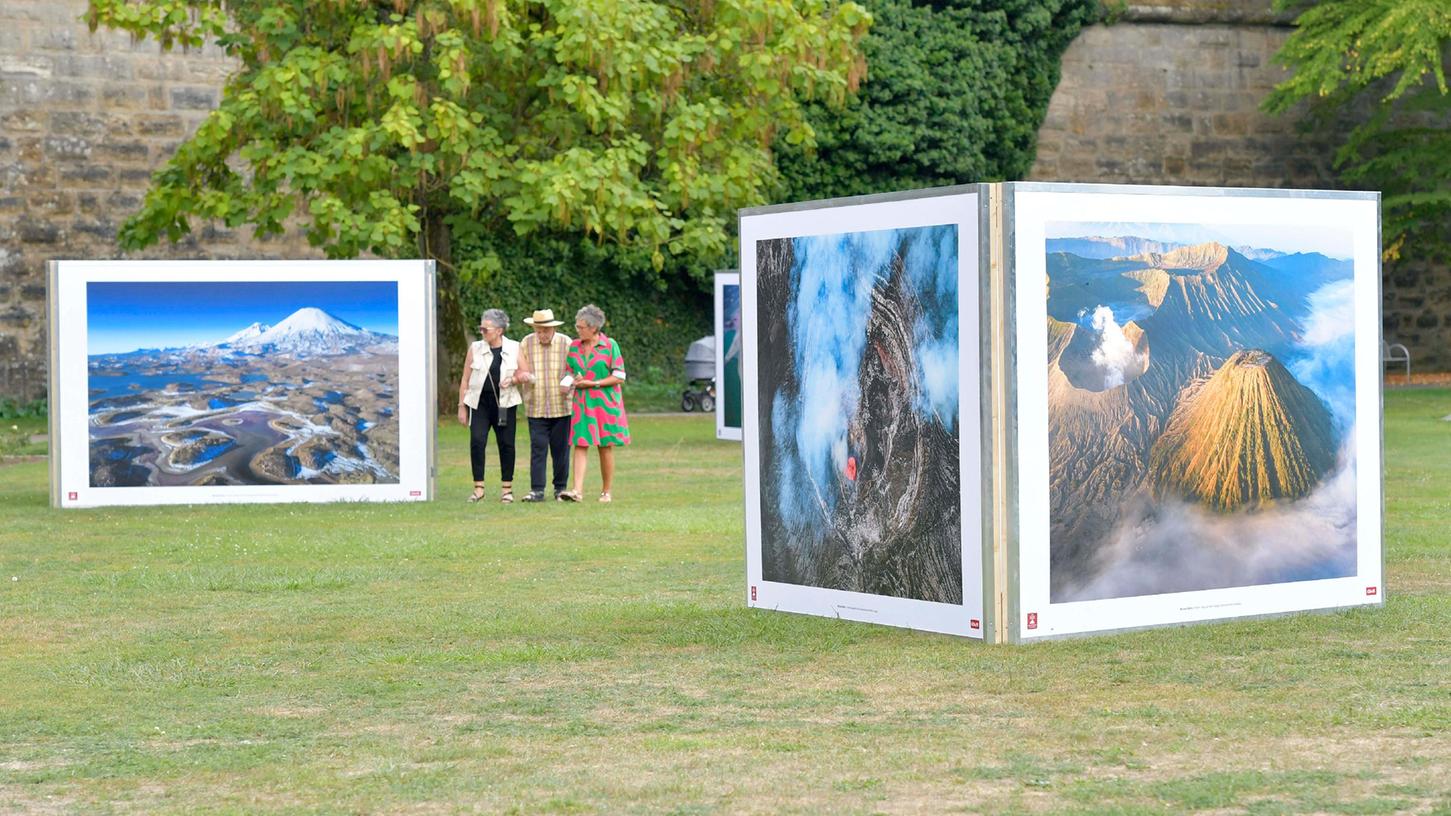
<point x="72" y="495"/>
<point x="1370" y="590"/>
<point x="1032" y="620"/>
<point x="975" y="623"/>
<point x="753" y="593"/>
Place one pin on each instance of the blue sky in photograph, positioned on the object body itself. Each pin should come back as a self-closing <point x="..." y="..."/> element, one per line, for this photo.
<point x="127" y="316"/>
<point x="1330" y="242"/>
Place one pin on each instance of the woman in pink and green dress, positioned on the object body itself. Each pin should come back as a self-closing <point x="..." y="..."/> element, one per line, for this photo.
<point x="595" y="371"/>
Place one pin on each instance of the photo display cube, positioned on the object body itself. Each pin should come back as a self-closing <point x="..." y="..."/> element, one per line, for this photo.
<point x="187" y="382"/>
<point x="1027" y="411"/>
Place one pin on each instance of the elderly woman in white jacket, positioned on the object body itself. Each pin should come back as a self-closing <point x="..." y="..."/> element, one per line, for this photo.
<point x="488" y="399"/>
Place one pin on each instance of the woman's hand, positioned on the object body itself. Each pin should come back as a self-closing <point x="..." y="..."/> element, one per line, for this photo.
<point x="585" y="384"/>
<point x="463" y="415"/>
<point x="523" y="377"/>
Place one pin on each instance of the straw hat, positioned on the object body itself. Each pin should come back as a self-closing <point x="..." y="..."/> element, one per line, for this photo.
<point x="543" y="317"/>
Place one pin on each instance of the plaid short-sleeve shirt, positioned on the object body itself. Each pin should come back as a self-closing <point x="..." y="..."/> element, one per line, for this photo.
<point x="542" y="397"/>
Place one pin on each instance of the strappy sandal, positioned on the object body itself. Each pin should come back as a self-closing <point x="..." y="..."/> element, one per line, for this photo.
<point x="478" y="494"/>
<point x="568" y="496"/>
<point x="605" y="497"/>
<point x="507" y="498"/>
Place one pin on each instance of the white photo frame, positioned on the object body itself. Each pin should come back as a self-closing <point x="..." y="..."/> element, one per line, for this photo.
<point x="958" y="208"/>
<point x="155" y="360"/>
<point x="727" y="348"/>
<point x="1035" y="214"/>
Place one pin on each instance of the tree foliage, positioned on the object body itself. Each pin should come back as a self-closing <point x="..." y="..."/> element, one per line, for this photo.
<point x="654" y="314"/>
<point x="385" y="125"/>
<point x="955" y="93"/>
<point x="1382" y="63"/>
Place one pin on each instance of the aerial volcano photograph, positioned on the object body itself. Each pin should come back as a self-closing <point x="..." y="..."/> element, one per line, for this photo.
<point x="1201" y="407"/>
<point x="859" y="428"/>
<point x="242" y="383"/>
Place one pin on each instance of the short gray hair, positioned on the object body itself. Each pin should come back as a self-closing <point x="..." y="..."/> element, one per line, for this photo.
<point x="591" y="316"/>
<point x="498" y="318"/>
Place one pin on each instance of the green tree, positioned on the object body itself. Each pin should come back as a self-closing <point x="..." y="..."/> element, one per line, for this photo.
<point x="1382" y="64"/>
<point x="654" y="314"/>
<point x="387" y="125"/>
<point x="956" y="92"/>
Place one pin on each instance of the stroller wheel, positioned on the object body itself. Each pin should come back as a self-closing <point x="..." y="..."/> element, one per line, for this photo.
<point x="687" y="402"/>
<point x="707" y="403"/>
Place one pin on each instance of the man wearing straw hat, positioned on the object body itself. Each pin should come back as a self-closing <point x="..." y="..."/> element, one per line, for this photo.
<point x="541" y="367"/>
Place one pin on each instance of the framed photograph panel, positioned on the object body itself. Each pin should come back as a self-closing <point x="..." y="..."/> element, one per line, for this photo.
<point x="1196" y="400"/>
<point x="728" y="355"/>
<point x="861" y="409"/>
<point x="180" y="382"/>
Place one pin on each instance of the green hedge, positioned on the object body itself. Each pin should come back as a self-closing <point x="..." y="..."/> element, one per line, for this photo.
<point x="654" y="315"/>
<point x="955" y="94"/>
<point x="11" y="408"/>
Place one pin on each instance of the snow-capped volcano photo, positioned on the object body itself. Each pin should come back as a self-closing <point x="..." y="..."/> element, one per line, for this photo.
<point x="243" y="383"/>
<point x="244" y="335"/>
<point x="308" y="330"/>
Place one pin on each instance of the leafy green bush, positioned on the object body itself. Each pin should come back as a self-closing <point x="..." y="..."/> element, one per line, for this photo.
<point x="654" y="315"/>
<point x="11" y="408"/>
<point x="955" y="93"/>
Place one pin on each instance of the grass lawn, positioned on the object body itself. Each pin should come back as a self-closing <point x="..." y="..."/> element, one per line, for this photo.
<point x="449" y="657"/>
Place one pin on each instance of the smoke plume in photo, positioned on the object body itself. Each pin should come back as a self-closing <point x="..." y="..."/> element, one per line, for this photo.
<point x="858" y="385"/>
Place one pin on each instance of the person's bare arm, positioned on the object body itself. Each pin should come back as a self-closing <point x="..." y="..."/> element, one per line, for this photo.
<point x="463" y="387"/>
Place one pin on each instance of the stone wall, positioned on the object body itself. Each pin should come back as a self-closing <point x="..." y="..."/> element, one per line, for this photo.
<point x="1169" y="93"/>
<point x="84" y="120"/>
<point x="1148" y="100"/>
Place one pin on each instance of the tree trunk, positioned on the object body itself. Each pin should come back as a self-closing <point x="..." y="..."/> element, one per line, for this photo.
<point x="450" y="323"/>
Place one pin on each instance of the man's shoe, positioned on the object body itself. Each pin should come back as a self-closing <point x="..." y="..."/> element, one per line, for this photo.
<point x="533" y="496"/>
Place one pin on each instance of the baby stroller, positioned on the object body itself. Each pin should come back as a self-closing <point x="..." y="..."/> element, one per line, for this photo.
<point x="700" y="373"/>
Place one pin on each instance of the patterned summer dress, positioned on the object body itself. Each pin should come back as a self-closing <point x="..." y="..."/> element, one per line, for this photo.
<point x="599" y="413"/>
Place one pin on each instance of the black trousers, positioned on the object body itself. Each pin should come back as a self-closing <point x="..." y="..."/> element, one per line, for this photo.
<point x="548" y="436"/>
<point x="481" y="421"/>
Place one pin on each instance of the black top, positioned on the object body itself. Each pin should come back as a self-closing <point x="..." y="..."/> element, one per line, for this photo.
<point x="490" y="395"/>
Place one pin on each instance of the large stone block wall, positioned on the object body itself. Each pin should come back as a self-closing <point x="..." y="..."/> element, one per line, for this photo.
<point x="1158" y="102"/>
<point x="84" y="120"/>
<point x="1169" y="93"/>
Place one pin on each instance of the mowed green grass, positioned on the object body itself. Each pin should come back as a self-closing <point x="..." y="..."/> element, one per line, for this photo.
<point x="447" y="657"/>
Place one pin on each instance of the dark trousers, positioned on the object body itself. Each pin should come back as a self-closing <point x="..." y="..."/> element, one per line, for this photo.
<point x="548" y="436"/>
<point x="503" y="424"/>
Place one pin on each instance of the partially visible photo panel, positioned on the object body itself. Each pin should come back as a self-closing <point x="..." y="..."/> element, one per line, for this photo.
<point x="728" y="355"/>
<point x="1197" y="404"/>
<point x="180" y="382"/>
<point x="862" y="409"/>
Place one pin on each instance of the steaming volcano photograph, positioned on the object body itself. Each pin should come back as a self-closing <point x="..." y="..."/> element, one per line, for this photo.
<point x="1201" y="407"/>
<point x="242" y="383"/>
<point x="857" y="394"/>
